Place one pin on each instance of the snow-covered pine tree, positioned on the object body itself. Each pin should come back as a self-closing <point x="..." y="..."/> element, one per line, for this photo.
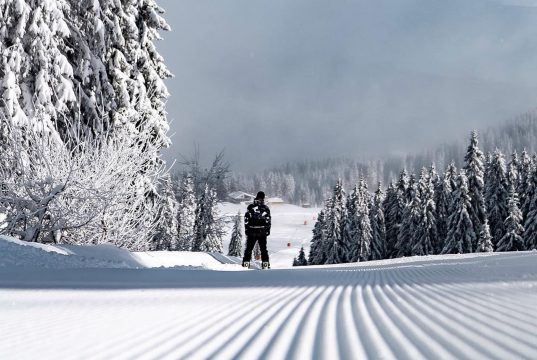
<point x="300" y="260"/>
<point x="410" y="220"/>
<point x="364" y="232"/>
<point x="335" y="218"/>
<point x="166" y="236"/>
<point x="378" y="226"/>
<point x="394" y="206"/>
<point x="235" y="244"/>
<point x="207" y="227"/>
<point x="389" y="206"/>
<point x="484" y="243"/>
<point x="89" y="63"/>
<point x="530" y="225"/>
<point x="524" y="176"/>
<point x="512" y="240"/>
<point x="461" y="233"/>
<point x="496" y="193"/>
<point x="443" y="202"/>
<point x="474" y="170"/>
<point x="38" y="77"/>
<point x="317" y="255"/>
<point x="529" y="192"/>
<point x="186" y="214"/>
<point x="350" y="230"/>
<point x="425" y="236"/>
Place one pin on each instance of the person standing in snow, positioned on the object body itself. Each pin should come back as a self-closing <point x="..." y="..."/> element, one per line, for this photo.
<point x="257" y="224"/>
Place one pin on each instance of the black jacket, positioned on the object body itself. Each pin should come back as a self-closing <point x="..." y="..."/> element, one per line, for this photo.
<point x="256" y="212"/>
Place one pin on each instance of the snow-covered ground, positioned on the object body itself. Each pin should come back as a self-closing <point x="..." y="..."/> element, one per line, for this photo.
<point x="100" y="302"/>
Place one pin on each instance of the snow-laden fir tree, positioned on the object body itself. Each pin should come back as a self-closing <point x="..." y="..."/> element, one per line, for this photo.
<point x="394" y="206"/>
<point x="461" y="234"/>
<point x="207" y="227"/>
<point x="350" y="229"/>
<point x="363" y="234"/>
<point x="530" y="225"/>
<point x="84" y="62"/>
<point x="531" y="190"/>
<point x="186" y="214"/>
<point x="512" y="240"/>
<point x="410" y="220"/>
<point x="425" y="236"/>
<point x="390" y="207"/>
<point x="235" y="244"/>
<point x="300" y="260"/>
<point x="317" y="255"/>
<point x="166" y="237"/>
<point x="335" y="220"/>
<point x="513" y="167"/>
<point x="474" y="169"/>
<point x="378" y="226"/>
<point x="38" y="77"/>
<point x="496" y="193"/>
<point x="484" y="244"/>
<point x="443" y="201"/>
<point x="524" y="178"/>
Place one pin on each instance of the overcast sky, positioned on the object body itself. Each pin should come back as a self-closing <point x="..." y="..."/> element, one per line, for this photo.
<point x="272" y="81"/>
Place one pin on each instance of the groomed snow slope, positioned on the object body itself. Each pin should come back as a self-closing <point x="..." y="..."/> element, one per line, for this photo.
<point x="458" y="306"/>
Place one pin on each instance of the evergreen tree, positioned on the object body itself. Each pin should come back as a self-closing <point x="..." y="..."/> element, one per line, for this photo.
<point x="485" y="239"/>
<point x="317" y="255"/>
<point x="300" y="260"/>
<point x="235" y="244"/>
<point x="524" y="178"/>
<point x="530" y="226"/>
<point x="496" y="193"/>
<point x="378" y="227"/>
<point x="335" y="220"/>
<point x="390" y="208"/>
<point x="410" y="220"/>
<point x="91" y="64"/>
<point x="425" y="236"/>
<point x="207" y="227"/>
<point x="394" y="206"/>
<point x="512" y="240"/>
<point x="186" y="214"/>
<point x="350" y="230"/>
<point x="529" y="193"/>
<point x="474" y="170"/>
<point x="166" y="236"/>
<point x="364" y="232"/>
<point x="443" y="200"/>
<point x="461" y="234"/>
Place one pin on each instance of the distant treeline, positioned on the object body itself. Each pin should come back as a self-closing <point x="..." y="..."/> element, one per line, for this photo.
<point x="312" y="181"/>
<point x="486" y="206"/>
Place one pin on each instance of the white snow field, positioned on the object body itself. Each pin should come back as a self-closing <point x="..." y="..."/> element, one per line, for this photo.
<point x="100" y="302"/>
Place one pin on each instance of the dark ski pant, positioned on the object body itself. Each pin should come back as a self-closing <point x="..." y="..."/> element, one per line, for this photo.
<point x="251" y="239"/>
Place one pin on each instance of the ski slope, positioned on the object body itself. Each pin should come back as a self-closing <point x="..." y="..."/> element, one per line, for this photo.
<point x="438" y="307"/>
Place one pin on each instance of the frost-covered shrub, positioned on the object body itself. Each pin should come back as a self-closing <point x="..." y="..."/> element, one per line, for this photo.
<point x="86" y="190"/>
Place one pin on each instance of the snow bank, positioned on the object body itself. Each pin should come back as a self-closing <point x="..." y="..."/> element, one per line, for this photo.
<point x="16" y="254"/>
<point x="20" y="254"/>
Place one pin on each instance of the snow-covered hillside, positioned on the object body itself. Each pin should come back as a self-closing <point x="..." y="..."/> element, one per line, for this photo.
<point x="451" y="307"/>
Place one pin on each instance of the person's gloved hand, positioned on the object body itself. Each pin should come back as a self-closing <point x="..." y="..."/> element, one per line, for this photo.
<point x="267" y="232"/>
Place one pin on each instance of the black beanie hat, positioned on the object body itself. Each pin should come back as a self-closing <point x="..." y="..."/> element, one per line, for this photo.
<point x="260" y="196"/>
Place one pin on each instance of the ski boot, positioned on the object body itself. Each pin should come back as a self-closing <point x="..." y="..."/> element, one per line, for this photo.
<point x="265" y="265"/>
<point x="246" y="264"/>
